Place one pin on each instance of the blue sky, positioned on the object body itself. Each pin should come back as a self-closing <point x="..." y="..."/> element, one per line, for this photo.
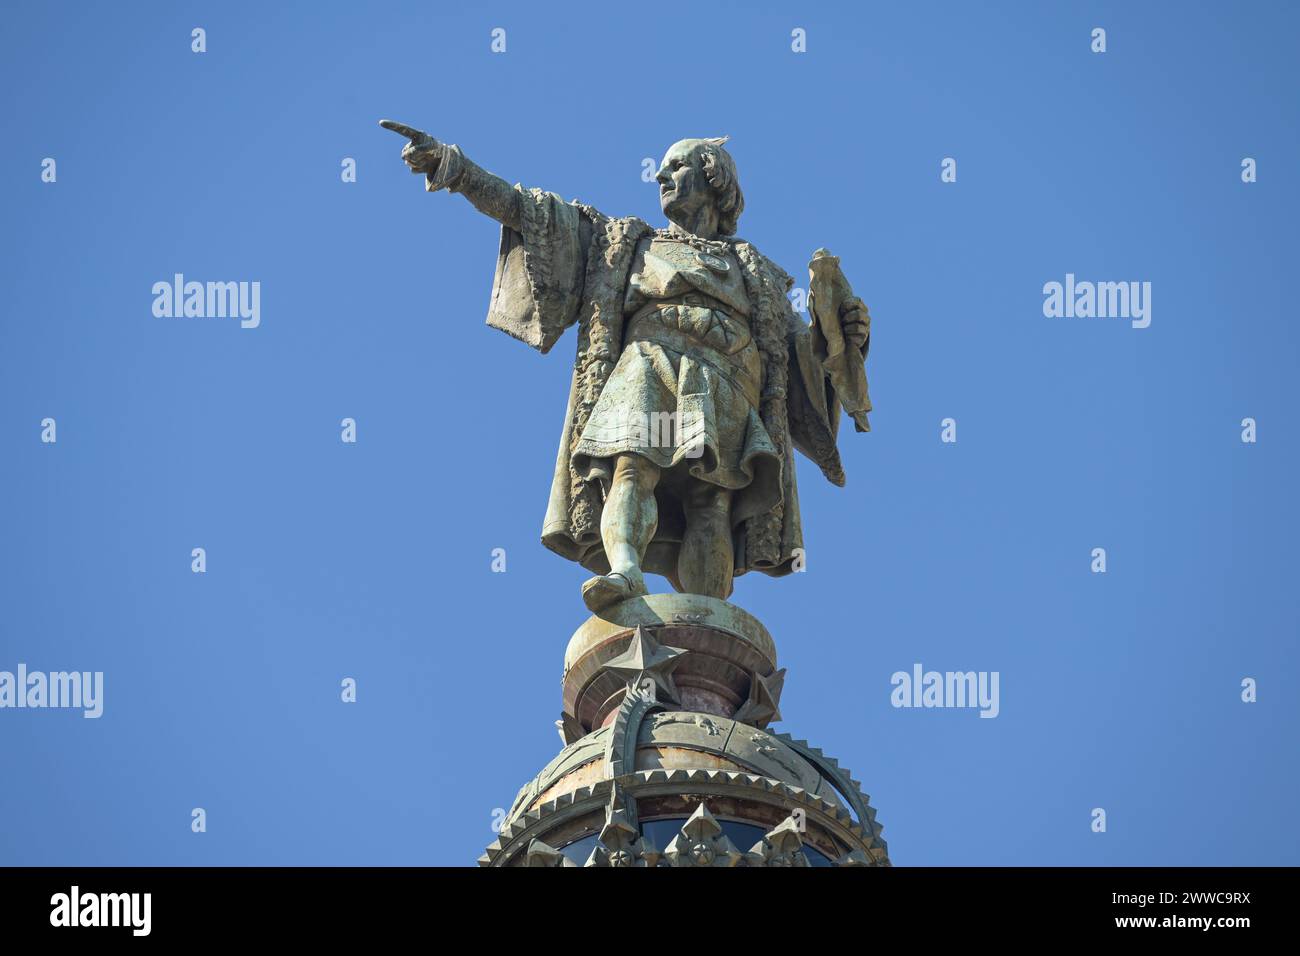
<point x="372" y="560"/>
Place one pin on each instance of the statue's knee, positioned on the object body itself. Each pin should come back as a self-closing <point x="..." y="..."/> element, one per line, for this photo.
<point x="636" y="471"/>
<point x="708" y="499"/>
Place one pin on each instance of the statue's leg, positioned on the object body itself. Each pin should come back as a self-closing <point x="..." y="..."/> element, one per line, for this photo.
<point x="706" y="563"/>
<point x="627" y="525"/>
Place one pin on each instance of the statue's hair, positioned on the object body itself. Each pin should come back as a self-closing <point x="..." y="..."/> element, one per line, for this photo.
<point x="720" y="171"/>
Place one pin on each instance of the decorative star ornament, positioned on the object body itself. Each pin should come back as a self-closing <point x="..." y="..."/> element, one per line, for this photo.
<point x="762" y="707"/>
<point x="570" y="730"/>
<point x="647" y="659"/>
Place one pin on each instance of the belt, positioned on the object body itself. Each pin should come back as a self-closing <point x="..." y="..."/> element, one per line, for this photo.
<point x="736" y="368"/>
<point x="691" y="298"/>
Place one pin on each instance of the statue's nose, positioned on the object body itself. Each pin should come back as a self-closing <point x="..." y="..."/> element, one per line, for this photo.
<point x="662" y="177"/>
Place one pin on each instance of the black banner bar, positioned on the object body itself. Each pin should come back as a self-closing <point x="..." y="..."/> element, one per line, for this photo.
<point x="207" y="905"/>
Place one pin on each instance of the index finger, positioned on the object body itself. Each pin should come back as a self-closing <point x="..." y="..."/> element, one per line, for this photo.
<point x="409" y="132"/>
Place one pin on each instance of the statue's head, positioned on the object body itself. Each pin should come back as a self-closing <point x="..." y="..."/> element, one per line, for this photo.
<point x="696" y="172"/>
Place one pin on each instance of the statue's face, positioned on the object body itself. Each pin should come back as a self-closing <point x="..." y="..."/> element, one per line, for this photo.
<point x="683" y="187"/>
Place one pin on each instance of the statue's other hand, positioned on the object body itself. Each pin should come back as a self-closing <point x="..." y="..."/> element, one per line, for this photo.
<point x="855" y="320"/>
<point x="422" y="153"/>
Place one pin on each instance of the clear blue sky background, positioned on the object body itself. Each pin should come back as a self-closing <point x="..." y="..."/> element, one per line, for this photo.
<point x="372" y="560"/>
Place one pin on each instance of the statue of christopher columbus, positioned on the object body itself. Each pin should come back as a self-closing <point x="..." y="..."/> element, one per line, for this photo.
<point x="694" y="380"/>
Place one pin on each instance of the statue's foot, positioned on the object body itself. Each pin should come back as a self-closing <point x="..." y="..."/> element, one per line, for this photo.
<point x="606" y="590"/>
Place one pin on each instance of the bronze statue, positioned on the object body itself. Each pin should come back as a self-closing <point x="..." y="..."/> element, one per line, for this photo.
<point x="694" y="378"/>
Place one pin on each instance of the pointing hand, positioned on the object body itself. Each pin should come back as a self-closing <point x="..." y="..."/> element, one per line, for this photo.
<point x="422" y="153"/>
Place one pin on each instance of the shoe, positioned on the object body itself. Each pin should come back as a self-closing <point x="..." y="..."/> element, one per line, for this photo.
<point x="606" y="590"/>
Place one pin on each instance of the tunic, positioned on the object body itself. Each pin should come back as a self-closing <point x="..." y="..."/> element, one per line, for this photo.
<point x="686" y="388"/>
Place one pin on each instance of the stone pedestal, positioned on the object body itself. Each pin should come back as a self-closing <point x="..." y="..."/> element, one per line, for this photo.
<point x="668" y="760"/>
<point x="725" y="649"/>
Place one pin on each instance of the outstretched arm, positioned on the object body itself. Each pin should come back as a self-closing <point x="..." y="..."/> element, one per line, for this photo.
<point x="445" y="167"/>
<point x="542" y="260"/>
